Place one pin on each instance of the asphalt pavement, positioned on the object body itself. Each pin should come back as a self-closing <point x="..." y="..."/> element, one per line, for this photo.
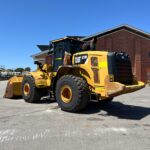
<point x="123" y="124"/>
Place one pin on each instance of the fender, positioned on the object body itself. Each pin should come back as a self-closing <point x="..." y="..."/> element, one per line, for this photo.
<point x="78" y="70"/>
<point x="42" y="79"/>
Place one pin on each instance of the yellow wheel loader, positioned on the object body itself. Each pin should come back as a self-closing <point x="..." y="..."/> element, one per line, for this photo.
<point x="74" y="76"/>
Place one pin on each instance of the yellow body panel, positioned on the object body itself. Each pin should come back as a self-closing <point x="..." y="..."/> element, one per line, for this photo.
<point x="42" y="79"/>
<point x="102" y="66"/>
<point x="104" y="88"/>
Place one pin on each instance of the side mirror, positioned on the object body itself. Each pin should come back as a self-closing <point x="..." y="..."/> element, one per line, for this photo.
<point x="38" y="63"/>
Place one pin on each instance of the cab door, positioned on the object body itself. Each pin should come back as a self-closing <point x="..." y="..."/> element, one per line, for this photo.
<point x="58" y="56"/>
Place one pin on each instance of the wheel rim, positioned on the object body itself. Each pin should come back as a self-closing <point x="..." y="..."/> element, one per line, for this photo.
<point x="26" y="89"/>
<point x="66" y="94"/>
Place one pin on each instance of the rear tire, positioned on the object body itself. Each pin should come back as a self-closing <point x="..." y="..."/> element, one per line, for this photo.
<point x="30" y="92"/>
<point x="77" y="93"/>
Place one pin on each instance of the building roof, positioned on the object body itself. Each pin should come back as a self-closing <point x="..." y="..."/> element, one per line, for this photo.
<point x="40" y="53"/>
<point x="43" y="47"/>
<point x="134" y="30"/>
<point x="121" y="27"/>
<point x="68" y="37"/>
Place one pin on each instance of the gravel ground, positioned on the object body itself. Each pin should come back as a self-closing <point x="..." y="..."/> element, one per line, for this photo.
<point x="122" y="124"/>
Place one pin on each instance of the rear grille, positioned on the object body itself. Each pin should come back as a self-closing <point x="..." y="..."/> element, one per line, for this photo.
<point x="124" y="72"/>
<point x="120" y="67"/>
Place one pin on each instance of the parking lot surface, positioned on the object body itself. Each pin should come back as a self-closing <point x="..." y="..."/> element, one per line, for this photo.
<point x="123" y="124"/>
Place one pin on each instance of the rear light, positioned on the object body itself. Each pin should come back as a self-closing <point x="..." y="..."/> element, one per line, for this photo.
<point x="94" y="61"/>
<point x="94" y="64"/>
<point x="96" y="75"/>
<point x="111" y="77"/>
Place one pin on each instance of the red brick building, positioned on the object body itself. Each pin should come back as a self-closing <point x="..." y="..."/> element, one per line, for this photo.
<point x="122" y="38"/>
<point x="131" y="40"/>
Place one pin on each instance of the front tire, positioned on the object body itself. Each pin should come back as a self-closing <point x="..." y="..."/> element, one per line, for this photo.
<point x="72" y="93"/>
<point x="30" y="92"/>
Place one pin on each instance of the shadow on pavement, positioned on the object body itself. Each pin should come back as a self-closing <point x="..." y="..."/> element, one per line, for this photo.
<point x="42" y="101"/>
<point x="46" y="100"/>
<point x="117" y="109"/>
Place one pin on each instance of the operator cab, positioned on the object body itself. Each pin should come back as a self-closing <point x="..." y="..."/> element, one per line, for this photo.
<point x="61" y="51"/>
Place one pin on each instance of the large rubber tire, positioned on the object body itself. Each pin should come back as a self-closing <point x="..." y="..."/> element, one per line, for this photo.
<point x="34" y="94"/>
<point x="80" y="93"/>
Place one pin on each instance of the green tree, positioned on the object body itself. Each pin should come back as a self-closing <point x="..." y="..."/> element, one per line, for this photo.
<point x="27" y="69"/>
<point x="19" y="70"/>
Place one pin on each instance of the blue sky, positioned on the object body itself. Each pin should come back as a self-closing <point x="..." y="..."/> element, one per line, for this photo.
<point x="26" y="23"/>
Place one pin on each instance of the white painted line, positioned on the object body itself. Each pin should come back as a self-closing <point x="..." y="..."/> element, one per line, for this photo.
<point x="19" y="135"/>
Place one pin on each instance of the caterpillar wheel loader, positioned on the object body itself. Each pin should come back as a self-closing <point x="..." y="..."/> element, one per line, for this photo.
<point x="74" y="76"/>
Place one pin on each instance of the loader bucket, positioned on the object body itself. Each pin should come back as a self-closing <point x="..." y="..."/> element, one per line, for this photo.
<point x="13" y="88"/>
